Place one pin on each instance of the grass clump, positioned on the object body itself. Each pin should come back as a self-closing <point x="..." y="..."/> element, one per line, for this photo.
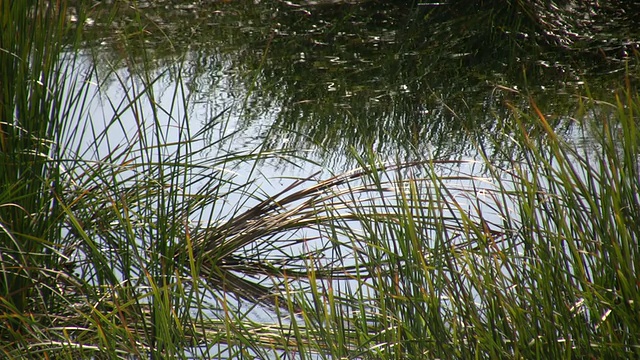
<point x="149" y="249"/>
<point x="536" y="259"/>
<point x="32" y="115"/>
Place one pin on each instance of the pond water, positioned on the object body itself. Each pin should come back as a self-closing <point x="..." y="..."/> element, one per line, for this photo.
<point x="325" y="80"/>
<point x="328" y="79"/>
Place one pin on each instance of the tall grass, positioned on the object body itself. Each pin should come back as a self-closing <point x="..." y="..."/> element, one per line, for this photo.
<point x="133" y="250"/>
<point x="538" y="259"/>
<point x="32" y="117"/>
<point x="540" y="264"/>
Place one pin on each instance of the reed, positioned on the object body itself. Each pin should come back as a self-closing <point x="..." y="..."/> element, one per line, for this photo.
<point x="145" y="248"/>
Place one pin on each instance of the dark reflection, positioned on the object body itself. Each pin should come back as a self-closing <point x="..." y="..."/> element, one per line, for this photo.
<point x="401" y="78"/>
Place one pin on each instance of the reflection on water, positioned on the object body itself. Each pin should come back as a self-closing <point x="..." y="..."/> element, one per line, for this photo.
<point x="404" y="81"/>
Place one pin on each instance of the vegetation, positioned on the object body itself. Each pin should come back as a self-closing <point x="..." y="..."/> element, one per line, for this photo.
<point x="157" y="246"/>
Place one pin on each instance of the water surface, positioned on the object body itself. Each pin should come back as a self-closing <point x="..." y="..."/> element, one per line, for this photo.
<point x="405" y="81"/>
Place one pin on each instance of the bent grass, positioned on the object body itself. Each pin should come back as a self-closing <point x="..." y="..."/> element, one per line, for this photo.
<point x="131" y="255"/>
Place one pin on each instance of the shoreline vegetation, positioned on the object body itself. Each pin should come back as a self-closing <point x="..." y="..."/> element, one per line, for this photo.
<point x="129" y="256"/>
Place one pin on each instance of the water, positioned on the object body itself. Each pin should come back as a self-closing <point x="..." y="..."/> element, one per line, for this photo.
<point x="324" y="81"/>
<point x="375" y="75"/>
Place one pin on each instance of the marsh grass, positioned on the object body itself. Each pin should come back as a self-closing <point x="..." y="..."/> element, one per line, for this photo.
<point x="32" y="116"/>
<point x="536" y="260"/>
<point x="149" y="249"/>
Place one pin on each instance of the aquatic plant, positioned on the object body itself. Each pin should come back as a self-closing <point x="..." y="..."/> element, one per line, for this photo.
<point x="156" y="245"/>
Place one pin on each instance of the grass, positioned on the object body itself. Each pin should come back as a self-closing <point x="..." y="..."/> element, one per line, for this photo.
<point x="148" y="249"/>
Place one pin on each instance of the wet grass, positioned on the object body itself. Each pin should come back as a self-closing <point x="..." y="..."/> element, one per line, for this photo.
<point x="155" y="246"/>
